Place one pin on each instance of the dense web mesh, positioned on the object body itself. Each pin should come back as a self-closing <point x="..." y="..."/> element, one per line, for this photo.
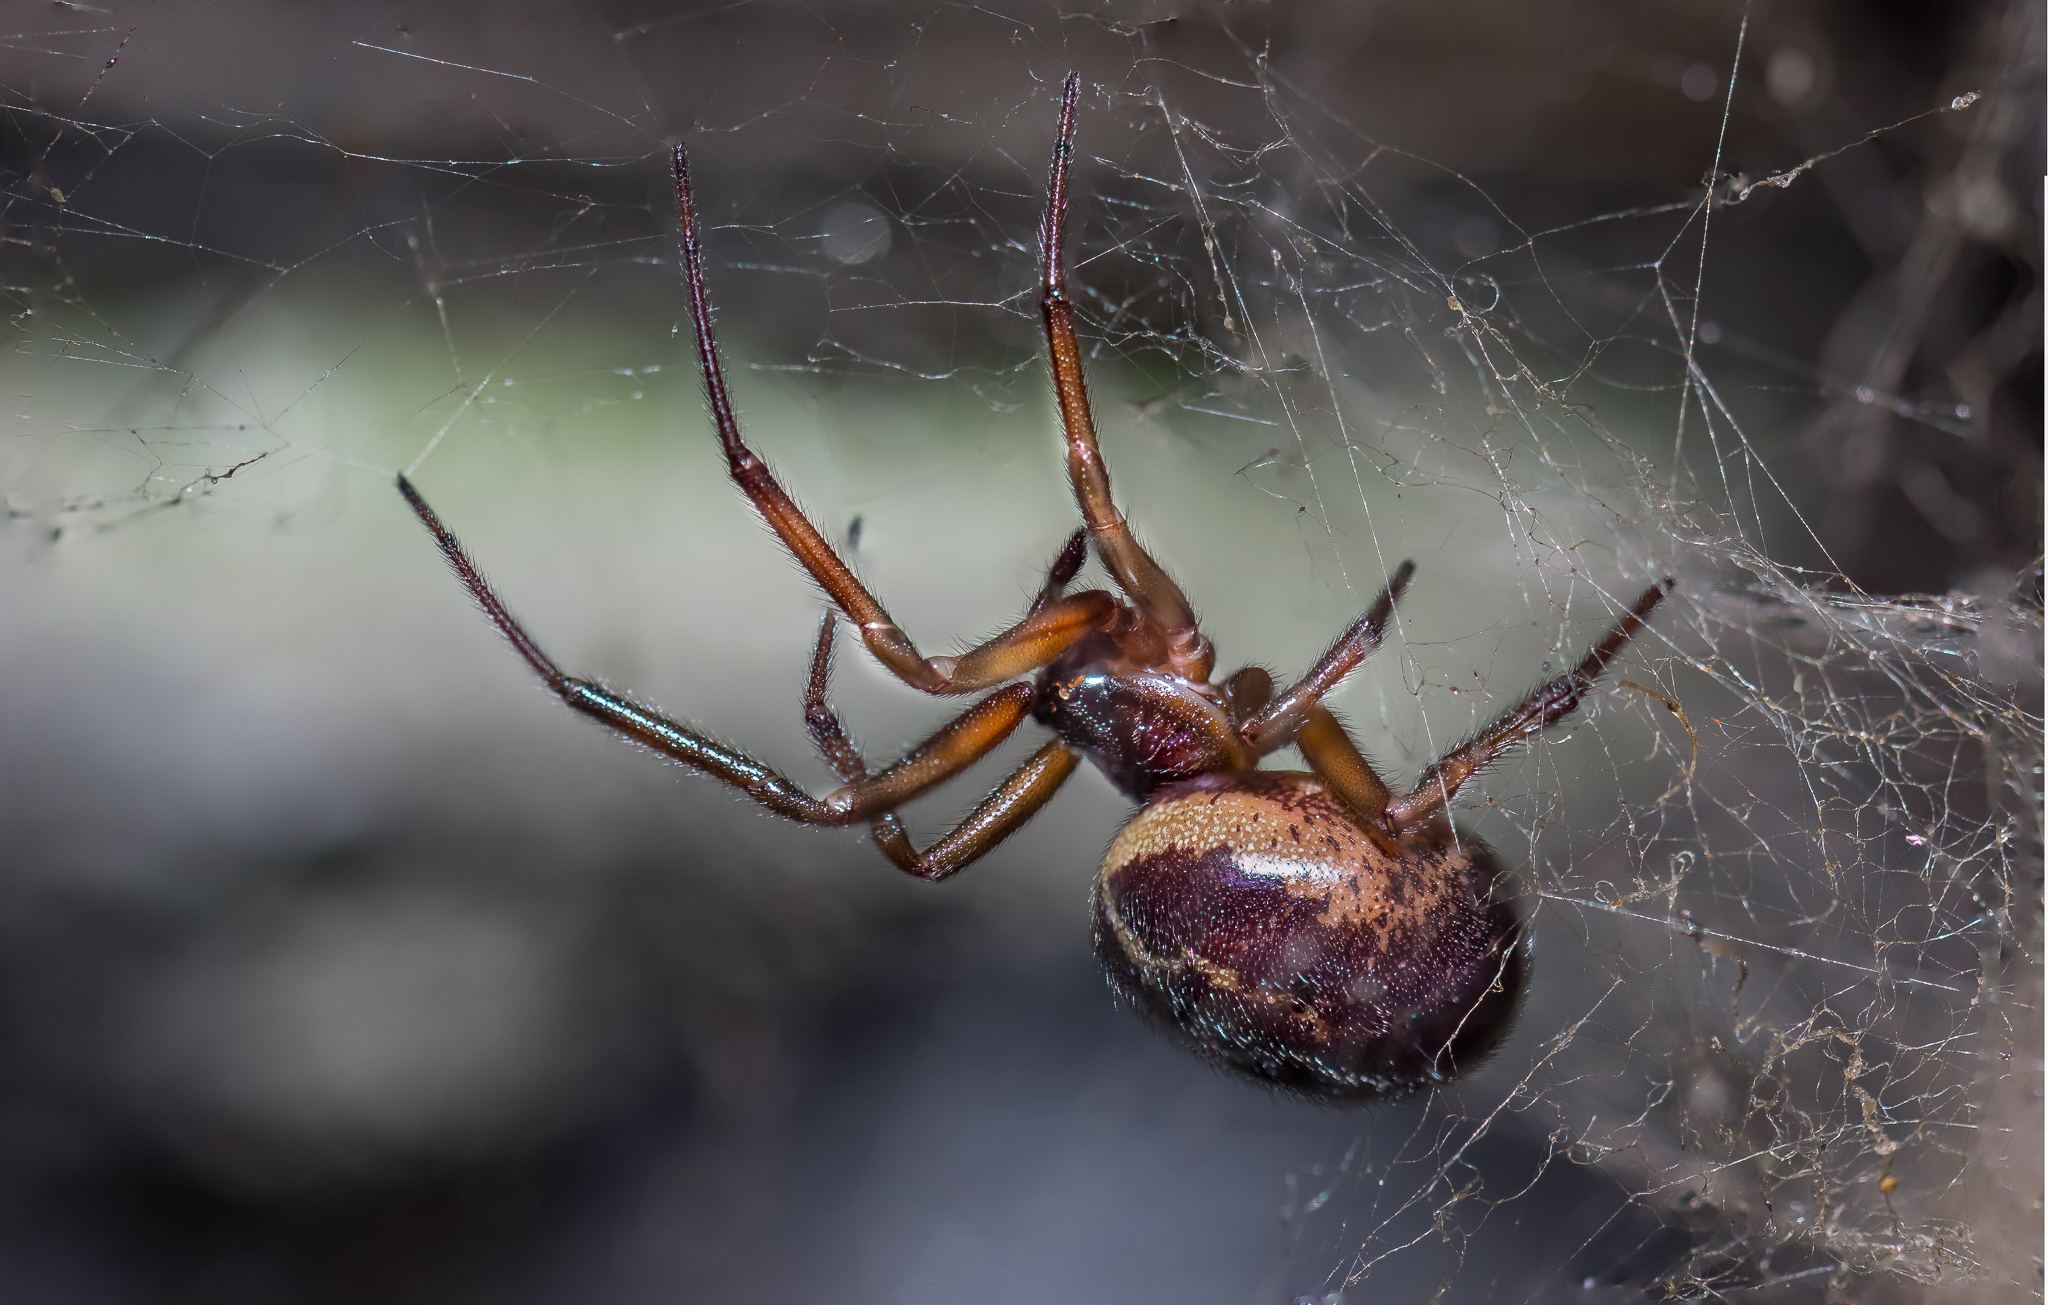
<point x="1783" y="878"/>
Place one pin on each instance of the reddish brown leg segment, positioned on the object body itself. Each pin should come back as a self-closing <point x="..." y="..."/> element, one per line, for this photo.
<point x="1041" y="637"/>
<point x="821" y="722"/>
<point x="1149" y="588"/>
<point x="1013" y="802"/>
<point x="964" y="740"/>
<point x="1274" y="727"/>
<point x="961" y="742"/>
<point x="1062" y="572"/>
<point x="1547" y="704"/>
<point x="1337" y="761"/>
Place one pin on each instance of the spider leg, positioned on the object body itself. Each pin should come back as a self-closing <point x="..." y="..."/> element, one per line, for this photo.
<point x="1547" y="704"/>
<point x="1042" y="636"/>
<point x="958" y="744"/>
<point x="998" y="815"/>
<point x="968" y="737"/>
<point x="1150" y="589"/>
<point x="759" y="782"/>
<point x="1010" y="805"/>
<point x="1337" y="761"/>
<point x="1062" y="572"/>
<point x="1275" y="726"/>
<point x="821" y="720"/>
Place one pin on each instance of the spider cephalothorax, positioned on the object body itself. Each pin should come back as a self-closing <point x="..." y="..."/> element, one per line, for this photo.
<point x="1313" y="930"/>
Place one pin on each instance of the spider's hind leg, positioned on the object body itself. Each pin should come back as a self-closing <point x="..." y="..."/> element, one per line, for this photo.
<point x="1547" y="704"/>
<point x="1337" y="761"/>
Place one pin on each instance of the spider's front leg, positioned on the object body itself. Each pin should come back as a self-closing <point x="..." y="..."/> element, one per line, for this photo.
<point x="1146" y="583"/>
<point x="995" y="818"/>
<point x="960" y="743"/>
<point x="1047" y="631"/>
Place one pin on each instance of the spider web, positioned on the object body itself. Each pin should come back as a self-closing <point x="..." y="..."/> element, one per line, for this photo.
<point x="1554" y="309"/>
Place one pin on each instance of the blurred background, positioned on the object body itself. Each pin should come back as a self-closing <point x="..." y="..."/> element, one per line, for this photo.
<point x="341" y="962"/>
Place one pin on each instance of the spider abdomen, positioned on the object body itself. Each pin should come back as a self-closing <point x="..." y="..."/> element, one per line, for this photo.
<point x="1250" y="911"/>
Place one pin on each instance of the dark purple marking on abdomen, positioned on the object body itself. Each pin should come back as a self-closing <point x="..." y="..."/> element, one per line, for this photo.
<point x="1251" y="913"/>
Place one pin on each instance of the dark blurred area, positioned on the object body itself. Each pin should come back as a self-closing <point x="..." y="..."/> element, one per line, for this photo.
<point x="337" y="970"/>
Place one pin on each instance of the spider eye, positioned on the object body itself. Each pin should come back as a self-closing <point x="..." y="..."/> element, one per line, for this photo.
<point x="1249" y="913"/>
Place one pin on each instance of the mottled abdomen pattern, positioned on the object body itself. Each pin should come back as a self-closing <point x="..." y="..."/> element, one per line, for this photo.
<point x="1250" y="911"/>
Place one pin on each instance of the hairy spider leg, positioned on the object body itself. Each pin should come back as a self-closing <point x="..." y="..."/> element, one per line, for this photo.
<point x="960" y="744"/>
<point x="957" y="745"/>
<point x="1150" y="589"/>
<point x="1274" y="727"/>
<point x="1337" y="761"/>
<point x="1036" y="641"/>
<point x="1546" y="704"/>
<point x="995" y="818"/>
<point x="1062" y="572"/>
<point x="1298" y="716"/>
<point x="821" y="720"/>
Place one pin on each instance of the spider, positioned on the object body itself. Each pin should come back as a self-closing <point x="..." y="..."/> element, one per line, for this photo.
<point x="1313" y="930"/>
